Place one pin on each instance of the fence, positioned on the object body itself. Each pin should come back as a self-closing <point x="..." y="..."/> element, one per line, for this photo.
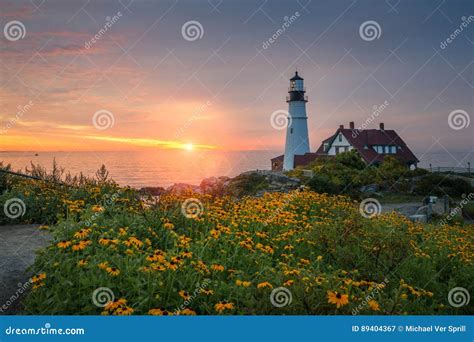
<point x="453" y="169"/>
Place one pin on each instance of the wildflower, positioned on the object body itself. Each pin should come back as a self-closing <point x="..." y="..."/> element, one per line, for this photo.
<point x="81" y="234"/>
<point x="264" y="284"/>
<point x="207" y="292"/>
<point x="113" y="271"/>
<point x="184" y="294"/>
<point x="168" y="225"/>
<point x="243" y="283"/>
<point x="103" y="265"/>
<point x="125" y="311"/>
<point x="97" y="208"/>
<point x="37" y="278"/>
<point x="81" y="245"/>
<point x="288" y="282"/>
<point x="187" y="312"/>
<point x="337" y="298"/>
<point x="64" y="244"/>
<point x="159" y="312"/>
<point x="221" y="306"/>
<point x="218" y="268"/>
<point x="319" y="258"/>
<point x="82" y="262"/>
<point x="373" y="305"/>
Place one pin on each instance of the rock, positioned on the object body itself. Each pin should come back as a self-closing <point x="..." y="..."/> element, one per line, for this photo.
<point x="153" y="191"/>
<point x="183" y="188"/>
<point x="213" y="185"/>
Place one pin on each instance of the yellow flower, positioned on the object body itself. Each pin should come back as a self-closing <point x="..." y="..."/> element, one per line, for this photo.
<point x="97" y="208"/>
<point x="243" y="283"/>
<point x="103" y="265"/>
<point x="218" y="268"/>
<point x="158" y="312"/>
<point x="319" y="258"/>
<point x="221" y="306"/>
<point x="288" y="282"/>
<point x="264" y="284"/>
<point x="337" y="298"/>
<point x="64" y="244"/>
<point x="125" y="311"/>
<point x="113" y="271"/>
<point x="81" y="234"/>
<point x="168" y="225"/>
<point x="187" y="312"/>
<point x="82" y="262"/>
<point x="37" y="278"/>
<point x="373" y="305"/>
<point x="184" y="294"/>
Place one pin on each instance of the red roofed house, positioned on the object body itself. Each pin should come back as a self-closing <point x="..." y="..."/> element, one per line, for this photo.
<point x="372" y="144"/>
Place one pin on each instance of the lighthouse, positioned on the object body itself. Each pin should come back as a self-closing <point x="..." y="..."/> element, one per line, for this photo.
<point x="297" y="140"/>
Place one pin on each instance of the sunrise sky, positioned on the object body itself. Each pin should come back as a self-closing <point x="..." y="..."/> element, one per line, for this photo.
<point x="219" y="90"/>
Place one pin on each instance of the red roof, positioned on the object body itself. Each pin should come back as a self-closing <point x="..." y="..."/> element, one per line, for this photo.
<point x="364" y="140"/>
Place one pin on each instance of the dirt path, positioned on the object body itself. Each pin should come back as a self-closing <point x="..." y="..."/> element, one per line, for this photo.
<point x="18" y="245"/>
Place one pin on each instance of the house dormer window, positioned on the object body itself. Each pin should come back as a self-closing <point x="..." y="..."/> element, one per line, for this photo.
<point x="340" y="137"/>
<point x="325" y="147"/>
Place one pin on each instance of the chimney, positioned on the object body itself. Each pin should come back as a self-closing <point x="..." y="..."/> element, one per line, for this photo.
<point x="341" y="126"/>
<point x="351" y="124"/>
<point x="382" y="126"/>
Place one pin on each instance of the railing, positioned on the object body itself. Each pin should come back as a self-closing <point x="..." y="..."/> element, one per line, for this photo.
<point x="454" y="169"/>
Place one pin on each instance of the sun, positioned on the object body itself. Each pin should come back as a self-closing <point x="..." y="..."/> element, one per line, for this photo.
<point x="189" y="147"/>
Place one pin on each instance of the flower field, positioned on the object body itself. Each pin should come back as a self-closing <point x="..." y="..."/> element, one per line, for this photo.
<point x="116" y="253"/>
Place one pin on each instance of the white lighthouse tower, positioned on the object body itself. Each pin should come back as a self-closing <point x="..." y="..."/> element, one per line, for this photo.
<point x="297" y="140"/>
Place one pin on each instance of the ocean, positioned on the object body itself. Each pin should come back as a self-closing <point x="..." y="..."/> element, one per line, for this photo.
<point x="166" y="167"/>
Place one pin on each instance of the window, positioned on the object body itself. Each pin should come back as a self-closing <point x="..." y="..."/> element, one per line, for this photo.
<point x="366" y="147"/>
<point x="325" y="147"/>
<point x="394" y="149"/>
<point x="293" y="84"/>
<point x="387" y="149"/>
<point x="291" y="130"/>
<point x="379" y="149"/>
<point x="340" y="137"/>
